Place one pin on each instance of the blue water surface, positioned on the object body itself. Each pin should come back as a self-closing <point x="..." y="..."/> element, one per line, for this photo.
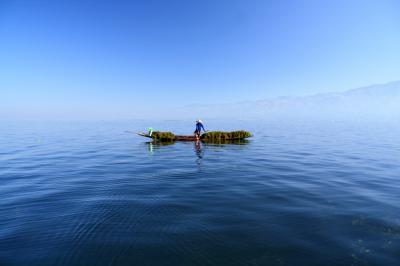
<point x="89" y="193"/>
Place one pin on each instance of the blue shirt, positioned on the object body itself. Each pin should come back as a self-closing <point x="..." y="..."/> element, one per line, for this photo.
<point x="199" y="126"/>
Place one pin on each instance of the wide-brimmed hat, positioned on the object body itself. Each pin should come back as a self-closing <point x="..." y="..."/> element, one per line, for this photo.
<point x="199" y="121"/>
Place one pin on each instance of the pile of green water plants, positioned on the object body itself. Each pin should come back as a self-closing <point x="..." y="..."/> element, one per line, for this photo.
<point x="163" y="136"/>
<point x="213" y="136"/>
<point x="222" y="135"/>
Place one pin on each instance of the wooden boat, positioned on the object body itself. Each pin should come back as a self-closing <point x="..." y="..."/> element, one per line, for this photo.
<point x="213" y="136"/>
<point x="177" y="137"/>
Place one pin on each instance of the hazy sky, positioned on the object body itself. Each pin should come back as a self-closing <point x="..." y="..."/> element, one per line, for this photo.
<point x="127" y="58"/>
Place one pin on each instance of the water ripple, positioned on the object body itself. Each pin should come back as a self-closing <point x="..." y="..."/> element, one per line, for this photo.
<point x="296" y="194"/>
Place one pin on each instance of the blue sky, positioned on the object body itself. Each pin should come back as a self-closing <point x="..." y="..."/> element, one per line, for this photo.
<point x="127" y="58"/>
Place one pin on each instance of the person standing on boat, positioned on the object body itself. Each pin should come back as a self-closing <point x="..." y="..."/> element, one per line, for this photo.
<point x="199" y="127"/>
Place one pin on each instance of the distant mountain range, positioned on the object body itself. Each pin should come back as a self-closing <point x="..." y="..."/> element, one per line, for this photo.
<point x="376" y="101"/>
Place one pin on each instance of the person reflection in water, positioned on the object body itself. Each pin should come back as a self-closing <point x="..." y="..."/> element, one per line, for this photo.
<point x="198" y="150"/>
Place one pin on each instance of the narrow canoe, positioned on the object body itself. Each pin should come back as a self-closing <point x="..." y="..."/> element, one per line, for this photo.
<point x="190" y="138"/>
<point x="177" y="137"/>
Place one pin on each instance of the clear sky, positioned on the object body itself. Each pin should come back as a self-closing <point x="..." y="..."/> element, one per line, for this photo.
<point x="126" y="58"/>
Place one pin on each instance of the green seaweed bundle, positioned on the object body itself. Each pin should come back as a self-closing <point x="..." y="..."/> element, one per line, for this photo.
<point x="222" y="135"/>
<point x="163" y="136"/>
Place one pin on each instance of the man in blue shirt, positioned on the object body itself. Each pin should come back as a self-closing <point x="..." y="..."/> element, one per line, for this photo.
<point x="199" y="126"/>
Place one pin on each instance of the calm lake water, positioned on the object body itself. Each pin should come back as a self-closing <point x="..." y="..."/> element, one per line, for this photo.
<point x="295" y="194"/>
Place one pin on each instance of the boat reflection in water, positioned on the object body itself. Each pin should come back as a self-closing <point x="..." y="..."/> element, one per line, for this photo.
<point x="199" y="146"/>
<point x="155" y="145"/>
